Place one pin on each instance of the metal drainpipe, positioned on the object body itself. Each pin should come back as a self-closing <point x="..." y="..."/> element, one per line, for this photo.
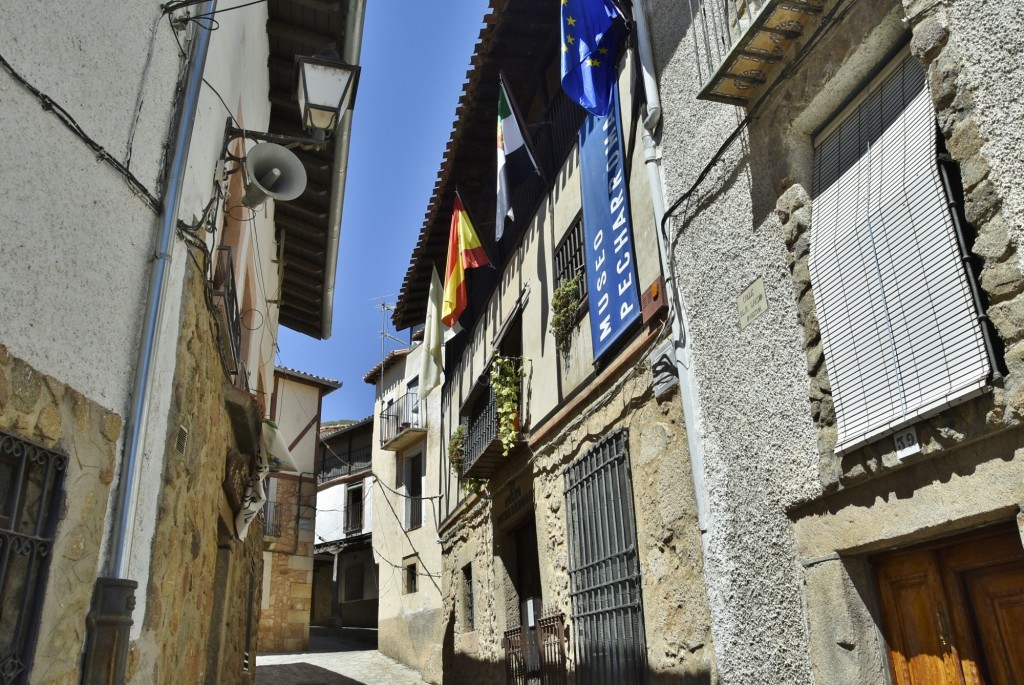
<point x="677" y="313"/>
<point x="110" y="617"/>
<point x="350" y="54"/>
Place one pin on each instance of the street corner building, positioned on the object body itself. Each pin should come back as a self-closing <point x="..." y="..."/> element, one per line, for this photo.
<point x="149" y="256"/>
<point x="567" y="521"/>
<point x="841" y="191"/>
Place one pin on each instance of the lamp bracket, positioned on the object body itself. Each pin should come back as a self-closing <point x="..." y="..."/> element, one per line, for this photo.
<point x="316" y="142"/>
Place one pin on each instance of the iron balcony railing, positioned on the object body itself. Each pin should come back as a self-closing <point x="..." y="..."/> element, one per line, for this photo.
<point x="735" y="17"/>
<point x="273" y="519"/>
<point x="225" y="299"/>
<point x="354" y="517"/>
<point x="481" y="430"/>
<point x="335" y="465"/>
<point x="400" y="417"/>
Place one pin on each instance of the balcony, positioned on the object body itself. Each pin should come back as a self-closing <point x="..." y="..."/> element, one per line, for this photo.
<point x="273" y="519"/>
<point x="758" y="38"/>
<point x="400" y="423"/>
<point x="483" y="458"/>
<point x="354" y="518"/>
<point x="229" y="319"/>
<point x="336" y="466"/>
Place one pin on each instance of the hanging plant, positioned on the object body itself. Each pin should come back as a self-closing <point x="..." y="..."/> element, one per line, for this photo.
<point x="457" y="448"/>
<point x="506" y="374"/>
<point x="565" y="305"/>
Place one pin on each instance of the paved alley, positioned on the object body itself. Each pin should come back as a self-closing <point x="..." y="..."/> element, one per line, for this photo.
<point x="334" y="660"/>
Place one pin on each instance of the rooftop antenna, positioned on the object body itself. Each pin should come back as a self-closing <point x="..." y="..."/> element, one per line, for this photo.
<point x="384" y="337"/>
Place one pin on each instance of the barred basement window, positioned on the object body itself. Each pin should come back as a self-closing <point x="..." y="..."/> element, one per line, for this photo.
<point x="570" y="257"/>
<point x="31" y="494"/>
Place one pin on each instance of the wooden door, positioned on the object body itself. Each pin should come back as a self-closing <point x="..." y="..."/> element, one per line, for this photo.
<point x="953" y="610"/>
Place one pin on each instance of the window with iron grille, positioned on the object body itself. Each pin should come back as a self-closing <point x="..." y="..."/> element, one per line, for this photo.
<point x="570" y="258"/>
<point x="31" y="493"/>
<point x="467" y="581"/>
<point x="604" y="565"/>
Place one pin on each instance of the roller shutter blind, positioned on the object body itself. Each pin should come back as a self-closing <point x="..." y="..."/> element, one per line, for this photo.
<point x="899" y="328"/>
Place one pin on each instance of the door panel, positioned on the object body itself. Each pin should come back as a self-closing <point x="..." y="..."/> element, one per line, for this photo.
<point x="920" y="650"/>
<point x="953" y="610"/>
<point x="997" y="596"/>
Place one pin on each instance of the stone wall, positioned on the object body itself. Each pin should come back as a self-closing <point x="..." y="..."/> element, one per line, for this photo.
<point x="676" y="616"/>
<point x="39" y="408"/>
<point x="204" y="586"/>
<point x="284" y="621"/>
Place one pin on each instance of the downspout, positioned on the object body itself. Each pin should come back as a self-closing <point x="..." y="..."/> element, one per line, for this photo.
<point x="110" y="619"/>
<point x="677" y="313"/>
<point x="350" y="55"/>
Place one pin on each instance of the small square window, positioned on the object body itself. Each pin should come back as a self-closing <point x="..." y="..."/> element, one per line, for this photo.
<point x="411" y="576"/>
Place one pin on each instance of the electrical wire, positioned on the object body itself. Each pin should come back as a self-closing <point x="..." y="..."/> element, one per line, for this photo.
<point x="65" y="118"/>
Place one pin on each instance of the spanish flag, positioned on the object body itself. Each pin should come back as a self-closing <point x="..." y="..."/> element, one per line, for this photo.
<point x="464" y="252"/>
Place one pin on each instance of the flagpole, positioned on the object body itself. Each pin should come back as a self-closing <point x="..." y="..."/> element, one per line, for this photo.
<point x="525" y="129"/>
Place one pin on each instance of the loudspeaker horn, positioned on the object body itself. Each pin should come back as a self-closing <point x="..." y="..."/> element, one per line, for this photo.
<point x="272" y="170"/>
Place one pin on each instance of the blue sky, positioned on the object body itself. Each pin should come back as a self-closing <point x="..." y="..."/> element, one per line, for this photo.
<point x="414" y="58"/>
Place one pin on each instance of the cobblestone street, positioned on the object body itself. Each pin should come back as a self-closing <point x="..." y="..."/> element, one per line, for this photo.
<point x="334" y="660"/>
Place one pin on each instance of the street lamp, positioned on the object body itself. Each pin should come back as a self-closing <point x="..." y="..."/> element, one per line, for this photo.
<point x="325" y="85"/>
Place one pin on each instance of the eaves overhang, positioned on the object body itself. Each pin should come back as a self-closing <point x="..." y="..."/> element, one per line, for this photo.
<point x="517" y="34"/>
<point x="308" y="227"/>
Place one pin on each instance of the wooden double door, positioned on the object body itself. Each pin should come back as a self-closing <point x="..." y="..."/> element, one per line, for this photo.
<point x="953" y="610"/>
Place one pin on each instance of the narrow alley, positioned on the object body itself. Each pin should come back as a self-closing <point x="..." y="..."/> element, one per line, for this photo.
<point x="334" y="659"/>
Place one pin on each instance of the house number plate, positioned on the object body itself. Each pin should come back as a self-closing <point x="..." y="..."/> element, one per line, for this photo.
<point x="906" y="443"/>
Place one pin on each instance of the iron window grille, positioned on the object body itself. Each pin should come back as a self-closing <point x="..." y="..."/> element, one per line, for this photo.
<point x="604" y="564"/>
<point x="31" y="495"/>
<point x="571" y="259"/>
<point x="273" y="519"/>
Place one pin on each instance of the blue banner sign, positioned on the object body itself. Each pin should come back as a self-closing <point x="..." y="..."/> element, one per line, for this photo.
<point x="607" y="231"/>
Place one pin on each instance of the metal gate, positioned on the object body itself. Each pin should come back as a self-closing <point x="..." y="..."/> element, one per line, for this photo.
<point x="604" y="569"/>
<point x="31" y="495"/>
<point x="551" y="641"/>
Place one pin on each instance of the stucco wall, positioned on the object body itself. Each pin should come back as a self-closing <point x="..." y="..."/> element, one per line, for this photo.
<point x="298" y="404"/>
<point x="793" y="603"/>
<point x="66" y="217"/>
<point x="409" y="624"/>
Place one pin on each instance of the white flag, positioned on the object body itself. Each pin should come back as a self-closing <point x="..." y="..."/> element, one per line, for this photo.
<point x="430" y="362"/>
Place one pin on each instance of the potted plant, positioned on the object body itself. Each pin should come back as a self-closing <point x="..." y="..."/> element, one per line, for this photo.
<point x="457" y="448"/>
<point x="506" y="374"/>
<point x="565" y="305"/>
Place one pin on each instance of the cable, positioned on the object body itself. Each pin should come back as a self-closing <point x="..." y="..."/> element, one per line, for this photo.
<point x="170" y="7"/>
<point x="65" y="118"/>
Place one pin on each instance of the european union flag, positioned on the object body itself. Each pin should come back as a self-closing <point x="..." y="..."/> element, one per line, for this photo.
<point x="591" y="35"/>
